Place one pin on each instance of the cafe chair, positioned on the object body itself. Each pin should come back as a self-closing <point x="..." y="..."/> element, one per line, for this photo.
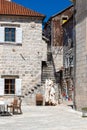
<point x="15" y="106"/>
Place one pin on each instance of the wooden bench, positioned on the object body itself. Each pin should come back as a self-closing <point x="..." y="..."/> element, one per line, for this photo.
<point x="84" y="112"/>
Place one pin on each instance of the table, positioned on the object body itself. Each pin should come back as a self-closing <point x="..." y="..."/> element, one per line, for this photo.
<point x="2" y="106"/>
<point x="3" y="109"/>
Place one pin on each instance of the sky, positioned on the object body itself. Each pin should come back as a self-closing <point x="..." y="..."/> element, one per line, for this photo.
<point x="46" y="7"/>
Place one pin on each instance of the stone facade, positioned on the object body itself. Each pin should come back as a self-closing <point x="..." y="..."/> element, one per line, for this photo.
<point x="81" y="54"/>
<point x="54" y="32"/>
<point x="23" y="60"/>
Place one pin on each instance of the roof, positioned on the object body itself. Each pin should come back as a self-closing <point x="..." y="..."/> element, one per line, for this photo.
<point x="62" y="11"/>
<point x="11" y="8"/>
<point x="59" y="13"/>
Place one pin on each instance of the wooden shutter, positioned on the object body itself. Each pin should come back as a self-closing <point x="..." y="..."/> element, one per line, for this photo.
<point x="18" y="87"/>
<point x="1" y="86"/>
<point x="19" y="35"/>
<point x="2" y="34"/>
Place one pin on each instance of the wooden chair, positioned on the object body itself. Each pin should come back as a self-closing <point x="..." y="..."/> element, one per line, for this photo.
<point x="14" y="103"/>
<point x="15" y="106"/>
<point x="39" y="99"/>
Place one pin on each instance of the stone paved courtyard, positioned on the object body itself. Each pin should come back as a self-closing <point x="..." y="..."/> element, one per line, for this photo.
<point x="59" y="117"/>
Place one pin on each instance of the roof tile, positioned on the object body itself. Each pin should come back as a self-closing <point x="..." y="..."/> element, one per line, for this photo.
<point x="11" y="8"/>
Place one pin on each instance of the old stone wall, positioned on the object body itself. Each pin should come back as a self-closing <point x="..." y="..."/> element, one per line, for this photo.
<point x="81" y="55"/>
<point x="24" y="60"/>
<point x="57" y="57"/>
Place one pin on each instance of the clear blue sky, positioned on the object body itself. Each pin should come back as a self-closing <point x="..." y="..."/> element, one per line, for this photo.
<point x="46" y="7"/>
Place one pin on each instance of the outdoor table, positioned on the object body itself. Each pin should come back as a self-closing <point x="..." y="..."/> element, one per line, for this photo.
<point x="3" y="109"/>
<point x="2" y="106"/>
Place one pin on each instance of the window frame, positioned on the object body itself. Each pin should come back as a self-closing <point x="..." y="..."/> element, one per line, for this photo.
<point x="10" y="34"/>
<point x="18" y="34"/>
<point x="9" y="86"/>
<point x="64" y="16"/>
<point x="18" y="85"/>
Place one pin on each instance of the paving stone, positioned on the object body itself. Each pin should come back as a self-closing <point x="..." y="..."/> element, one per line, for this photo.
<point x="59" y="117"/>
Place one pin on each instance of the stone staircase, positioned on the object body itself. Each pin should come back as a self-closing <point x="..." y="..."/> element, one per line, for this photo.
<point x="30" y="97"/>
<point x="48" y="72"/>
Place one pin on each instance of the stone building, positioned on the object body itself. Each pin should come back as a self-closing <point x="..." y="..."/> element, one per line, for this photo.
<point x="53" y="30"/>
<point x="22" y="50"/>
<point x="81" y="54"/>
<point x="68" y="59"/>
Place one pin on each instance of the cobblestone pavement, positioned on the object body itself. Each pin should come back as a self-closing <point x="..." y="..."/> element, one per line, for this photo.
<point x="59" y="117"/>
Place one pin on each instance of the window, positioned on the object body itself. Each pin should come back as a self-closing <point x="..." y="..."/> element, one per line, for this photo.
<point x="9" y="86"/>
<point x="10" y="34"/>
<point x="64" y="19"/>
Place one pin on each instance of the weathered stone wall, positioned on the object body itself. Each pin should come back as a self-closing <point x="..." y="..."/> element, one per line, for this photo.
<point x="57" y="36"/>
<point x="81" y="54"/>
<point x="68" y="58"/>
<point x="24" y="60"/>
<point x="57" y="29"/>
<point x="57" y="57"/>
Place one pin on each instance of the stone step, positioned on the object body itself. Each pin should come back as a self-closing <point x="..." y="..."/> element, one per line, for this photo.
<point x="49" y="76"/>
<point x="48" y="68"/>
<point x="52" y="70"/>
<point x="48" y="72"/>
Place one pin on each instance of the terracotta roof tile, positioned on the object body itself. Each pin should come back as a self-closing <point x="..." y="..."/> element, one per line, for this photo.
<point x="11" y="8"/>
